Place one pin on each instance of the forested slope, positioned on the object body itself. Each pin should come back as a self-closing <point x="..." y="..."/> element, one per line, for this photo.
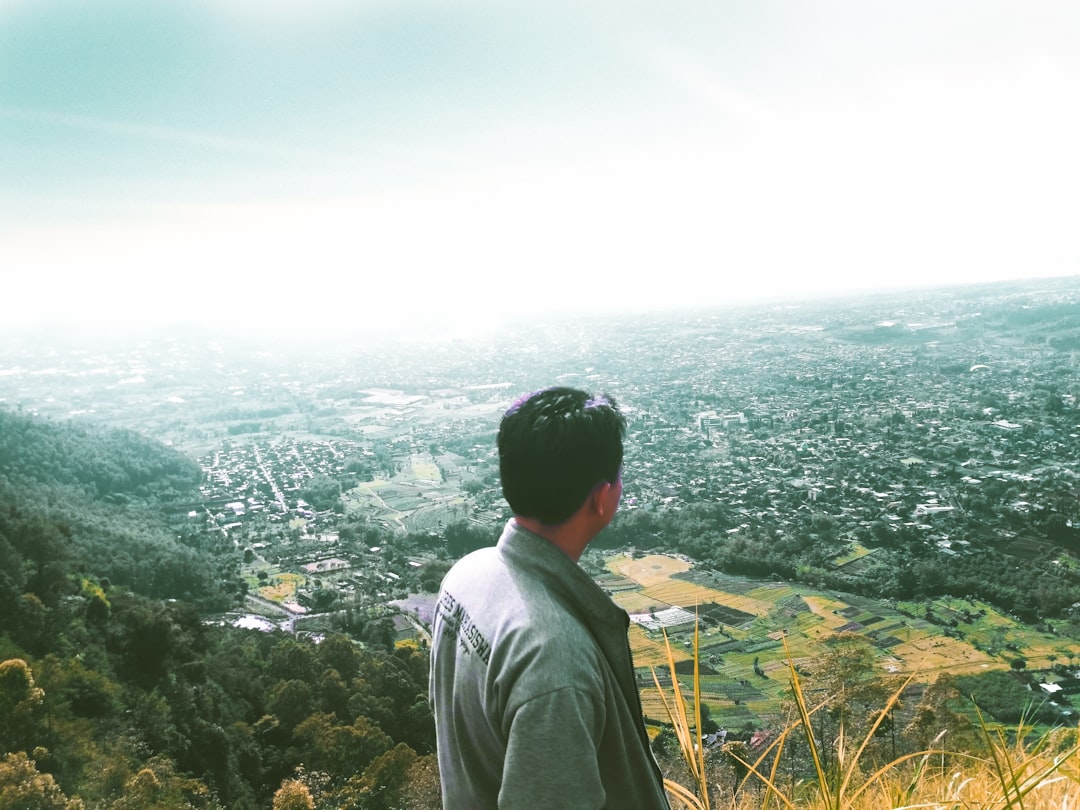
<point x="115" y="692"/>
<point x="116" y="465"/>
<point x="106" y="503"/>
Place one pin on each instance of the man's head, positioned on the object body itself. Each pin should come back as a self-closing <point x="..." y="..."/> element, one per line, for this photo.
<point x="555" y="447"/>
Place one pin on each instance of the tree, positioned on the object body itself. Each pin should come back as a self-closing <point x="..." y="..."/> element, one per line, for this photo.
<point x="382" y="784"/>
<point x="736" y="754"/>
<point x="291" y="702"/>
<point x="293" y="795"/>
<point x="463" y="537"/>
<point x="422" y="790"/>
<point x="936" y="714"/>
<point x="293" y="659"/>
<point x="1001" y="695"/>
<point x="20" y="698"/>
<point x="157" y="786"/>
<point x="341" y="749"/>
<point x="149" y="640"/>
<point x="322" y="492"/>
<point x="22" y="787"/>
<point x="86" y="692"/>
<point x="340" y="653"/>
<point x="848" y="680"/>
<point x="379" y="633"/>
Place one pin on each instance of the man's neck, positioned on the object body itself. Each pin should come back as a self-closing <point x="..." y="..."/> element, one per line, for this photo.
<point x="567" y="537"/>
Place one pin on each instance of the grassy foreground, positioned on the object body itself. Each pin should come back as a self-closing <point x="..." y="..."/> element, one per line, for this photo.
<point x="1014" y="770"/>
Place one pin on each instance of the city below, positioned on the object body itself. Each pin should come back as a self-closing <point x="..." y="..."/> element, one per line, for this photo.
<point x="863" y="462"/>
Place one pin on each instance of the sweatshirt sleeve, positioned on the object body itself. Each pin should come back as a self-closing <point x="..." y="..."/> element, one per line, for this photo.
<point x="551" y="754"/>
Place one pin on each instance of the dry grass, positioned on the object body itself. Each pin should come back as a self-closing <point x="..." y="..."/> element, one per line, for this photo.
<point x="687" y="733"/>
<point x="637" y="602"/>
<point x="651" y="570"/>
<point x="650" y="652"/>
<point x="827" y="609"/>
<point x="771" y="591"/>
<point x="941" y="654"/>
<point x="688" y="594"/>
<point x="1011" y="772"/>
<point x="282" y="588"/>
<point x="424" y="468"/>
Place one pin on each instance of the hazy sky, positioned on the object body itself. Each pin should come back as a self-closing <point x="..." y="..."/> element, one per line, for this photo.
<point x="318" y="165"/>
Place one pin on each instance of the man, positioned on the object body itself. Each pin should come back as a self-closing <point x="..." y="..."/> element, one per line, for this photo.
<point x="532" y="683"/>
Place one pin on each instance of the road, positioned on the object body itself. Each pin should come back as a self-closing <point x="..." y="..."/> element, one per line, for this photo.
<point x="261" y="605"/>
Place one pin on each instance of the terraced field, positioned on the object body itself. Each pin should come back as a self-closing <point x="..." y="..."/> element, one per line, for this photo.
<point x="749" y="630"/>
<point x="417" y="499"/>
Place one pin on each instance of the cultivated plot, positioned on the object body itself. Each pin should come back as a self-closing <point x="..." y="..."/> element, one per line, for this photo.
<point x="749" y="631"/>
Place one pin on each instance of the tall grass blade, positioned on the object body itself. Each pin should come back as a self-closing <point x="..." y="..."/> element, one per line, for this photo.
<point x="997" y="755"/>
<point x="700" y="770"/>
<point x="920" y="768"/>
<point x="768" y="781"/>
<point x="804" y="716"/>
<point x="683" y="794"/>
<point x="851" y="771"/>
<point x="693" y="754"/>
<point x="1019" y="776"/>
<point x="779" y="746"/>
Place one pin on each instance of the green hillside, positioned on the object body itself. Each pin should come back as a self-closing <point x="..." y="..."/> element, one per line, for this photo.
<point x="109" y="504"/>
<point x="115" y="692"/>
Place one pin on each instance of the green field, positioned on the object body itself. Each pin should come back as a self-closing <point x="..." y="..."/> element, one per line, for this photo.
<point x="772" y="622"/>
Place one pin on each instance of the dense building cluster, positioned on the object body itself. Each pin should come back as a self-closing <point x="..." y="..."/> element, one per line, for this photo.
<point x="946" y="419"/>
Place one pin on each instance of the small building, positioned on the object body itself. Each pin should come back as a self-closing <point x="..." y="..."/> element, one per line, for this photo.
<point x="323" y="566"/>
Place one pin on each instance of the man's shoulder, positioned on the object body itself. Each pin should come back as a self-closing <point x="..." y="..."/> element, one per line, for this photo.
<point x="519" y="606"/>
<point x="482" y="561"/>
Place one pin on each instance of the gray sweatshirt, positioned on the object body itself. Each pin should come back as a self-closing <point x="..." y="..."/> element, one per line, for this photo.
<point x="533" y="686"/>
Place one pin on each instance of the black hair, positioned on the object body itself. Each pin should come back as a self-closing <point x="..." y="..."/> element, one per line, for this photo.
<point x="555" y="446"/>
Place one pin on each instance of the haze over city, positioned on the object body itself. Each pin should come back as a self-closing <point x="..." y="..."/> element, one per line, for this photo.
<point x="323" y="167"/>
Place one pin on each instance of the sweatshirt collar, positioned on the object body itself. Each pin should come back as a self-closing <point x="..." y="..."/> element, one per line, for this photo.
<point x="536" y="556"/>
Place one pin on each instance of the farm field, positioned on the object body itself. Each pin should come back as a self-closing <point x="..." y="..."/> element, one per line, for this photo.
<point x="416" y="499"/>
<point x="652" y="569"/>
<point x="282" y="587"/>
<point x="748" y="630"/>
<point x="856" y="551"/>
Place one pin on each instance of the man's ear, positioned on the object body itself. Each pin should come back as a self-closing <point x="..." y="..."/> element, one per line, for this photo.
<point x="599" y="498"/>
